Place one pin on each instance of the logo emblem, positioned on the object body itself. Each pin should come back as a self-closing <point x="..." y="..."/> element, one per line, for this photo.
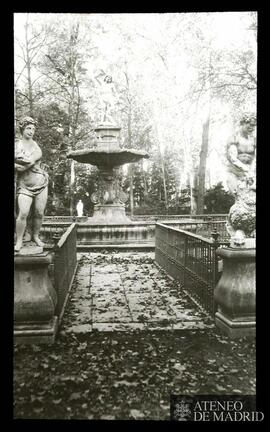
<point x="182" y="411"/>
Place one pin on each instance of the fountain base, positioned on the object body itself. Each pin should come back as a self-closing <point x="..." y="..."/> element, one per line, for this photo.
<point x="93" y="235"/>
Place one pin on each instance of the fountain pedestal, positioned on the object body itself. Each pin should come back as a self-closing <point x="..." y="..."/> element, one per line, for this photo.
<point x="109" y="198"/>
<point x="109" y="214"/>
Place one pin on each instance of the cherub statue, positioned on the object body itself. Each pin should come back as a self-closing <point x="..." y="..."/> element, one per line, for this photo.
<point x="241" y="153"/>
<point x="107" y="96"/>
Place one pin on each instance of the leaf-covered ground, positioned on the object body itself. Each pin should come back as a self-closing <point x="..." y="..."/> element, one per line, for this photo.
<point x="119" y="375"/>
<point x="127" y="291"/>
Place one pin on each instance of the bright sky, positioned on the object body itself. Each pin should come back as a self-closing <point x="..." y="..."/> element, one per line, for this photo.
<point x="227" y="29"/>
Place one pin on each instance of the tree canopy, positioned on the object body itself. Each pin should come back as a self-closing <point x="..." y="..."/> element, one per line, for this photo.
<point x="182" y="81"/>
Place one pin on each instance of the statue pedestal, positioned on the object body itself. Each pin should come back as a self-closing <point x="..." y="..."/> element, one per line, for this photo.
<point x="235" y="293"/>
<point x="30" y="250"/>
<point x="34" y="300"/>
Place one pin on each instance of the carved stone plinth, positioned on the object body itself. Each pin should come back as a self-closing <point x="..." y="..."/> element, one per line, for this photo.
<point x="30" y="250"/>
<point x="235" y="293"/>
<point x="34" y="300"/>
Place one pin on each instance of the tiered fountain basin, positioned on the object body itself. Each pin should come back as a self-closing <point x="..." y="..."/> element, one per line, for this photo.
<point x="109" y="225"/>
<point x="107" y="156"/>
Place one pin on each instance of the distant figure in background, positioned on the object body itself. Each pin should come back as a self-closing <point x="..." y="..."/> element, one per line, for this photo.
<point x="80" y="208"/>
<point x="32" y="183"/>
<point x="241" y="150"/>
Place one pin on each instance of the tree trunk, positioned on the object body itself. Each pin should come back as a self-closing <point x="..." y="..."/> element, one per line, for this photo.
<point x="28" y="67"/>
<point x="131" y="195"/>
<point x="202" y="167"/>
<point x="72" y="174"/>
<point x="193" y="201"/>
<point x="71" y="187"/>
<point x="164" y="183"/>
<point x="145" y="188"/>
<point x="163" y="172"/>
<point x="71" y="139"/>
<point x="161" y="156"/>
<point x="73" y="116"/>
<point x="130" y="168"/>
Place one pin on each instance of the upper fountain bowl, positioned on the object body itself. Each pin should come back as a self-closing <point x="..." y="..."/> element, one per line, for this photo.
<point x="106" y="151"/>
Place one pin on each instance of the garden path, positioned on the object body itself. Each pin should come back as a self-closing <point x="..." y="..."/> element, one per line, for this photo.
<point x="127" y="291"/>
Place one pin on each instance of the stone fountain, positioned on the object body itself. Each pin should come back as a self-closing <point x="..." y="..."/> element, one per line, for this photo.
<point x="109" y="224"/>
<point x="107" y="155"/>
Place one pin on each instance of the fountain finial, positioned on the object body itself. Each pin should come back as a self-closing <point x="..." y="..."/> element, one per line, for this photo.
<point x="107" y="96"/>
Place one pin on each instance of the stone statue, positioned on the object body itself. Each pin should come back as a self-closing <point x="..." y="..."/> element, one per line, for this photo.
<point x="32" y="183"/>
<point x="242" y="182"/>
<point x="241" y="156"/>
<point x="107" y="96"/>
<point x="242" y="216"/>
<point x="80" y="208"/>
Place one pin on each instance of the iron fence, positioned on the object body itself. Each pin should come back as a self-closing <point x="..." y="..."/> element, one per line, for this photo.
<point x="204" y="228"/>
<point x="191" y="259"/>
<point x="65" y="264"/>
<point x="202" y="217"/>
<point x="68" y="219"/>
<point x="154" y="218"/>
<point x="58" y="219"/>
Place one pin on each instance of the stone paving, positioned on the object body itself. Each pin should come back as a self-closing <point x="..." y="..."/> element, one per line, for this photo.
<point x="127" y="291"/>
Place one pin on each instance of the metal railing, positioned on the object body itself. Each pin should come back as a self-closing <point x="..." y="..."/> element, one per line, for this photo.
<point x="68" y="219"/>
<point x="204" y="228"/>
<point x="203" y="217"/>
<point x="65" y="264"/>
<point x="162" y="217"/>
<point x="190" y="259"/>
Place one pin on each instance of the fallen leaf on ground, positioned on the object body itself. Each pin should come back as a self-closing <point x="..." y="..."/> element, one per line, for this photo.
<point x="74" y="396"/>
<point x="136" y="413"/>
